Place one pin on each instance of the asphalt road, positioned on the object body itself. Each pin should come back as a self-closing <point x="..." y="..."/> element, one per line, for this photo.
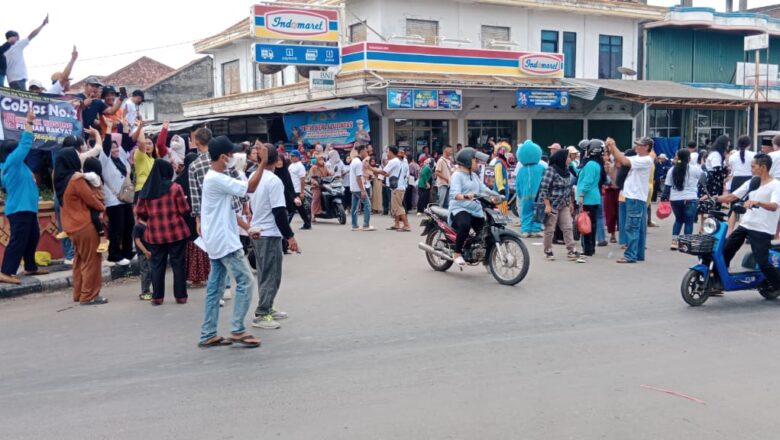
<point x="378" y="346"/>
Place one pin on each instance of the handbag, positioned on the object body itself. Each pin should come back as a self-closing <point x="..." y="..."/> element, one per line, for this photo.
<point x="583" y="223"/>
<point x="539" y="215"/>
<point x="392" y="181"/>
<point x="127" y="192"/>
<point x="664" y="210"/>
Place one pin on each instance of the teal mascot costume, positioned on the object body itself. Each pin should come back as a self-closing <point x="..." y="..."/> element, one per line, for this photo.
<point x="529" y="177"/>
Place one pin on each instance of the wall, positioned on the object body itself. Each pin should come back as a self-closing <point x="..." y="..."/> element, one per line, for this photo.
<point x="191" y="83"/>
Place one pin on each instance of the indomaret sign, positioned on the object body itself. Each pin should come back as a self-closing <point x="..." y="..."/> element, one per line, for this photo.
<point x="280" y="22"/>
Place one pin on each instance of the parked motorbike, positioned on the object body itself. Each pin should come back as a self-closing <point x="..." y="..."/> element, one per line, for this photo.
<point x="332" y="202"/>
<point x="712" y="276"/>
<point x="500" y="249"/>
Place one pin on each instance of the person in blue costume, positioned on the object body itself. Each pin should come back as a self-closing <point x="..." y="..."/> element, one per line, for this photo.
<point x="529" y="157"/>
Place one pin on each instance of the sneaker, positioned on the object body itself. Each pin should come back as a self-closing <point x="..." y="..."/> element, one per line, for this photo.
<point x="109" y="263"/>
<point x="145" y="296"/>
<point x="69" y="262"/>
<point x="123" y="262"/>
<point x="573" y="255"/>
<point x="61" y="235"/>
<point x="602" y="243"/>
<point x="305" y="227"/>
<point x="525" y="235"/>
<point x="548" y="255"/>
<point x="356" y="229"/>
<point x="368" y="228"/>
<point x="228" y="295"/>
<point x="277" y="315"/>
<point x="222" y="303"/>
<point x="265" y="322"/>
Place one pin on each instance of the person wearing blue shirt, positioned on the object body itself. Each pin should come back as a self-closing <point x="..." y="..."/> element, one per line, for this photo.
<point x="21" y="207"/>
<point x="465" y="211"/>
<point x="589" y="181"/>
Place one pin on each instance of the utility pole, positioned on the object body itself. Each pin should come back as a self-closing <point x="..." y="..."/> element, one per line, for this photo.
<point x="756" y="96"/>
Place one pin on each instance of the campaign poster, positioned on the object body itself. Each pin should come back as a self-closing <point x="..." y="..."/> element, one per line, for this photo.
<point x="55" y="117"/>
<point x="337" y="127"/>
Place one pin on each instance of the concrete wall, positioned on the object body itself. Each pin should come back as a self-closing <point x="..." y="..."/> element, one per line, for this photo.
<point x="167" y="96"/>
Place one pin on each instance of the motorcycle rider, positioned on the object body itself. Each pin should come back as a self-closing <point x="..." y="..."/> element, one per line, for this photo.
<point x="759" y="223"/>
<point x="465" y="211"/>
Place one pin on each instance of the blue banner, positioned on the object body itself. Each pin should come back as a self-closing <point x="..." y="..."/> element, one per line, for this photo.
<point x="337" y="127"/>
<point x="533" y="98"/>
<point x="55" y="117"/>
<point x="424" y="99"/>
<point x="290" y="54"/>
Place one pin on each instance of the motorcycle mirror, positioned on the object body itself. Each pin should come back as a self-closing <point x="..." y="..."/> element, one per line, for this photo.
<point x="755" y="182"/>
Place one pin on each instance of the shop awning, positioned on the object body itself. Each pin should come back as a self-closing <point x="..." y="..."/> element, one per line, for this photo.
<point x="180" y="125"/>
<point x="313" y="106"/>
<point x="381" y="80"/>
<point x="655" y="93"/>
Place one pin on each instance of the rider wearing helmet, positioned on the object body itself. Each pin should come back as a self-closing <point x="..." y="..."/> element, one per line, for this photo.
<point x="592" y="176"/>
<point x="465" y="211"/>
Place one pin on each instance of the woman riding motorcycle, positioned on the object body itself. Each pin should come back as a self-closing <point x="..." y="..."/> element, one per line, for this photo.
<point x="465" y="211"/>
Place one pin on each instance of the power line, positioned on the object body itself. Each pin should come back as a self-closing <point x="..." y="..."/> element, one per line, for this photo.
<point x="116" y="54"/>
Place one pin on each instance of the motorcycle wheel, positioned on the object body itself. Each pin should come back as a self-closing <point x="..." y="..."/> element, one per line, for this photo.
<point x="341" y="214"/>
<point x="767" y="292"/>
<point x="515" y="268"/>
<point x="692" y="288"/>
<point x="437" y="240"/>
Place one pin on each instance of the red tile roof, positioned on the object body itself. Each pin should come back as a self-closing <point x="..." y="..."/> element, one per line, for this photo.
<point x="141" y="73"/>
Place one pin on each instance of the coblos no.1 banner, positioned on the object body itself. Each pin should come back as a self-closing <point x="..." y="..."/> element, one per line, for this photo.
<point x="55" y="118"/>
<point x="338" y="127"/>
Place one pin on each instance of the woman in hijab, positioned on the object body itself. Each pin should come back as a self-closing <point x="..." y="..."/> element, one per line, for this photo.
<point x="163" y="206"/>
<point x="424" y="185"/>
<point x="555" y="192"/>
<point x="335" y="166"/>
<point x="716" y="170"/>
<point x="116" y="174"/>
<point x="316" y="173"/>
<point x="177" y="152"/>
<point x="198" y="265"/>
<point x="77" y="198"/>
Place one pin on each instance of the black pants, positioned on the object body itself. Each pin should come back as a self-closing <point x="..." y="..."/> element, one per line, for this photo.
<point x="760" y="242"/>
<point x="160" y="253"/>
<point x="347" y="200"/>
<point x="120" y="232"/>
<point x="408" y="198"/>
<point x="25" y="234"/>
<point x="463" y="222"/>
<point x="589" y="240"/>
<point x="301" y="210"/>
<point x="387" y="193"/>
<point x="423" y="198"/>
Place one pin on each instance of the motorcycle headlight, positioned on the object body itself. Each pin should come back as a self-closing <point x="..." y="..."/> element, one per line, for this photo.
<point x="710" y="226"/>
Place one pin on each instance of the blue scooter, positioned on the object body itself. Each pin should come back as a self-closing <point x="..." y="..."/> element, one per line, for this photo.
<point x="711" y="276"/>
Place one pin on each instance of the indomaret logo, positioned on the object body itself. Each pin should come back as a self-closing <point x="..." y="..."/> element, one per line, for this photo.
<point x="300" y="23"/>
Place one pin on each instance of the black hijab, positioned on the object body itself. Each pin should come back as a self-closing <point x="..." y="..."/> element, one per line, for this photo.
<point x="67" y="164"/>
<point x="159" y="181"/>
<point x="183" y="179"/>
<point x="558" y="163"/>
<point x="92" y="165"/>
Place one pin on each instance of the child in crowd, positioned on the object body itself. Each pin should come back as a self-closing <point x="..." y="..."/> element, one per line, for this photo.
<point x="143" y="261"/>
<point x="92" y="171"/>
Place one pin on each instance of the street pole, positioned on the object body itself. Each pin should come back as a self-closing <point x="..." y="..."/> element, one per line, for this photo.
<point x="755" y="105"/>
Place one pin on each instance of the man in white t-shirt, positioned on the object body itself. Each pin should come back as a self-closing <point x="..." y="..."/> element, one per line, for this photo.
<point x="635" y="190"/>
<point x="298" y="176"/>
<point x="359" y="193"/>
<point x="16" y="68"/>
<point x="693" y="148"/>
<point x="759" y="223"/>
<point x="131" y="108"/>
<point x="220" y="240"/>
<point x="775" y="155"/>
<point x="396" y="181"/>
<point x="270" y="225"/>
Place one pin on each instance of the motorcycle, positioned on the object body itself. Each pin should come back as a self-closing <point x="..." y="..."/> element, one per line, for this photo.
<point x="332" y="202"/>
<point x="498" y="248"/>
<point x="712" y="276"/>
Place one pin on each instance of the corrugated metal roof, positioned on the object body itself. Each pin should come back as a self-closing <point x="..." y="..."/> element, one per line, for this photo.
<point x="653" y="90"/>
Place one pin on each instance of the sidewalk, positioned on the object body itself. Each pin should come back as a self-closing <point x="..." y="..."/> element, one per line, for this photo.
<point x="61" y="277"/>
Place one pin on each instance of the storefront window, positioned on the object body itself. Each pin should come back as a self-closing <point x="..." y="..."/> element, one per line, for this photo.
<point x="709" y="124"/>
<point x="665" y="122"/>
<point x="416" y="134"/>
<point x="481" y="131"/>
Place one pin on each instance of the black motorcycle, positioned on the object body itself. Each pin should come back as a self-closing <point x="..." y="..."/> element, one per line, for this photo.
<point x="332" y="202"/>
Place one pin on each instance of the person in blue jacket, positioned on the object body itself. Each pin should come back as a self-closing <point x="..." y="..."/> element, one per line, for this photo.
<point x="529" y="177"/>
<point x="592" y="176"/>
<point x="21" y="207"/>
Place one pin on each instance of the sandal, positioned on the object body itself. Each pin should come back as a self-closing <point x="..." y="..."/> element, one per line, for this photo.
<point x="9" y="279"/>
<point x="246" y="339"/>
<point x="216" y="341"/>
<point x="404" y="229"/>
<point x="36" y="272"/>
<point x="624" y="261"/>
<point x="392" y="228"/>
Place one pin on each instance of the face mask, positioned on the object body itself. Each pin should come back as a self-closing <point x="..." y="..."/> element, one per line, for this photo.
<point x="231" y="162"/>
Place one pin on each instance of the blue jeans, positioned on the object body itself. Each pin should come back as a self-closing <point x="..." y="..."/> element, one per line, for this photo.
<point x="2" y="80"/>
<point x="67" y="246"/>
<point x="684" y="214"/>
<point x="237" y="264"/>
<point x="636" y="229"/>
<point x="622" y="239"/>
<point x="600" y="235"/>
<point x="356" y="202"/>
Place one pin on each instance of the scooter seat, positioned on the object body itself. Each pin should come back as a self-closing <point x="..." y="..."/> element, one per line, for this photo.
<point x="440" y="212"/>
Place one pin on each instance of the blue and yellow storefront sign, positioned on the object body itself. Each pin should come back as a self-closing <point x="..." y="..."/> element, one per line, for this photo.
<point x="285" y="23"/>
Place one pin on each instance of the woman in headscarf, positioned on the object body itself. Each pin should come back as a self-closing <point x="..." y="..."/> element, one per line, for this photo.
<point x="424" y="185"/>
<point x="163" y="206"/>
<point x="335" y="165"/>
<point x="146" y="153"/>
<point x="198" y="265"/>
<point x="591" y="178"/>
<point x="529" y="177"/>
<point x="716" y="170"/>
<point x="316" y="173"/>
<point x="116" y="172"/>
<point x="77" y="198"/>
<point x="176" y="153"/>
<point x="555" y="192"/>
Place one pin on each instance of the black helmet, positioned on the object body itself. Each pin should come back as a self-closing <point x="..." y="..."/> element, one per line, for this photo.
<point x="596" y="147"/>
<point x="466" y="155"/>
<point x="583" y="145"/>
<point x="107" y="90"/>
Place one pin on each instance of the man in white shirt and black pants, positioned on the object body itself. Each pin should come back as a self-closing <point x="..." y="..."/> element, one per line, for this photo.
<point x="16" y="68"/>
<point x="759" y="222"/>
<point x="269" y="227"/>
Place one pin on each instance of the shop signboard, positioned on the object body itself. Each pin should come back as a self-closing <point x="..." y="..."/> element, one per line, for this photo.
<point x="294" y="55"/>
<point x="322" y="80"/>
<point x="540" y="98"/>
<point x="337" y="127"/>
<point x="55" y="117"/>
<point x="542" y="64"/>
<point x="424" y="99"/>
<point x="299" y="24"/>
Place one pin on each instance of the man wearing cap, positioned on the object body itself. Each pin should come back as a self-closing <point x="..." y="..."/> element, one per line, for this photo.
<point x="635" y="190"/>
<point x="92" y="106"/>
<point x="131" y="109"/>
<point x="298" y="175"/>
<point x="220" y="239"/>
<point x="554" y="148"/>
<point x="16" y="69"/>
<point x="36" y="87"/>
<point x="109" y="95"/>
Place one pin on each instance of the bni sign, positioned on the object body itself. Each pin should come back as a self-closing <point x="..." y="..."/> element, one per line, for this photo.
<point x="294" y="55"/>
<point x="286" y="23"/>
<point x="322" y="80"/>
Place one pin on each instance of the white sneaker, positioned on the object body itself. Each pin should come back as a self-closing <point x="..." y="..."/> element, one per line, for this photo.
<point x="123" y="262"/>
<point x="109" y="263"/>
<point x="222" y="303"/>
<point x="68" y="262"/>
<point x="228" y="295"/>
<point x="278" y="315"/>
<point x="368" y="229"/>
<point x="460" y="261"/>
<point x="265" y="322"/>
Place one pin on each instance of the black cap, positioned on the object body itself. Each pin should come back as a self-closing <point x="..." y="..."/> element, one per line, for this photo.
<point x="107" y="90"/>
<point x="93" y="80"/>
<point x="646" y="141"/>
<point x="221" y="145"/>
<point x="139" y="93"/>
<point x="11" y="34"/>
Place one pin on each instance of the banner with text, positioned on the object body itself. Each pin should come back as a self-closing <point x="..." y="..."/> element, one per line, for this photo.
<point x="55" y="118"/>
<point x="337" y="127"/>
<point x="534" y="98"/>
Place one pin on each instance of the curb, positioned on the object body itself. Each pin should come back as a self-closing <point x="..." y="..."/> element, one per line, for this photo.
<point x="36" y="285"/>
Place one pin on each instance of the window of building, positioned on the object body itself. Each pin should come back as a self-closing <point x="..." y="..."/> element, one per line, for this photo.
<point x="231" y="78"/>
<point x="709" y="124"/>
<point x="358" y="32"/>
<point x="550" y="41"/>
<point x="427" y="29"/>
<point x="610" y="56"/>
<point x="479" y="132"/>
<point x="494" y="33"/>
<point x="417" y="134"/>
<point x="665" y="122"/>
<point x="569" y="54"/>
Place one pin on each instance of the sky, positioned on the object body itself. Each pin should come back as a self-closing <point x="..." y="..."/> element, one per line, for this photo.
<point x="110" y="35"/>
